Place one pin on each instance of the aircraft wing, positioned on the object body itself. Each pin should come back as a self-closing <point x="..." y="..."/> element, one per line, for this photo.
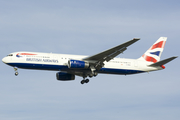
<point x="109" y="54"/>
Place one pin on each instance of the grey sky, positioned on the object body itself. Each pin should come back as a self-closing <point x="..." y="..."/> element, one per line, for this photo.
<point x="86" y="28"/>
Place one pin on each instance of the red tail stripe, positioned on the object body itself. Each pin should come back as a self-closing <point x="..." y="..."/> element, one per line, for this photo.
<point x="158" y="45"/>
<point x="149" y="59"/>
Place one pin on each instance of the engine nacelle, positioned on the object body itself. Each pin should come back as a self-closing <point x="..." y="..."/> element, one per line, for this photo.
<point x="77" y="64"/>
<point x="64" y="76"/>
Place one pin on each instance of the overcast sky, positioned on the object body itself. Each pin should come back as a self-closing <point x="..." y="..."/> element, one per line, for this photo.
<point x="86" y="28"/>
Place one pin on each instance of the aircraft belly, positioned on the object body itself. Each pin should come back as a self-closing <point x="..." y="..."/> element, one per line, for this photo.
<point x="56" y="67"/>
<point x="119" y="71"/>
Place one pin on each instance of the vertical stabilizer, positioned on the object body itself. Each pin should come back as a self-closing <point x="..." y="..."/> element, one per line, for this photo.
<point x="155" y="51"/>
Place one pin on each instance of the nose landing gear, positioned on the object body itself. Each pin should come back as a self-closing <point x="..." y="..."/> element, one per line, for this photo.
<point x="16" y="71"/>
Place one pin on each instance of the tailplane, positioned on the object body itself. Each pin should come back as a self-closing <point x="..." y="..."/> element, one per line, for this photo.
<point x="153" y="54"/>
<point x="163" y="62"/>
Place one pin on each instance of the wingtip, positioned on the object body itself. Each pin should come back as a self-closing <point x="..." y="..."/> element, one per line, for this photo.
<point x="136" y="38"/>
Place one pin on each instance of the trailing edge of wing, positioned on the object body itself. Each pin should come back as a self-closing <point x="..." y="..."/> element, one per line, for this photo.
<point x="111" y="53"/>
<point x="163" y="62"/>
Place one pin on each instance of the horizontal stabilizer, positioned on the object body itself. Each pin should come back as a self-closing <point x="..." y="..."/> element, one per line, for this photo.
<point x="162" y="62"/>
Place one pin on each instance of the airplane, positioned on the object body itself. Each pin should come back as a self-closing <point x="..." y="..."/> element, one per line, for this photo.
<point x="69" y="66"/>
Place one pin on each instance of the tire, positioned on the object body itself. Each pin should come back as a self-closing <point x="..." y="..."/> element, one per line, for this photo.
<point x="83" y="81"/>
<point x="87" y="80"/>
<point x="16" y="73"/>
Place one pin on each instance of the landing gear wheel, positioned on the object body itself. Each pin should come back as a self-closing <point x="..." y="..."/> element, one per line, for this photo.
<point x="83" y="81"/>
<point x="87" y="80"/>
<point x="16" y="73"/>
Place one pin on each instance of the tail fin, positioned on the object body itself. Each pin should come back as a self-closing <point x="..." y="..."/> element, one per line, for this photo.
<point x="155" y="51"/>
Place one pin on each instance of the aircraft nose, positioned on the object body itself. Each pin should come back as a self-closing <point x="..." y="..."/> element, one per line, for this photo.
<point x="4" y="60"/>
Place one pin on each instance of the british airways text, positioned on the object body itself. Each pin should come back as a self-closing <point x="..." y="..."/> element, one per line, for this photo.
<point x="42" y="60"/>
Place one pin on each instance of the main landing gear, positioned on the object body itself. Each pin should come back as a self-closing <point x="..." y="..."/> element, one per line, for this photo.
<point x="90" y="75"/>
<point x="16" y="71"/>
<point x="84" y="81"/>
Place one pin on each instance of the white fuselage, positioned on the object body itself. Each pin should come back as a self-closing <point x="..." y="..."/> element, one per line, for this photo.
<point x="59" y="62"/>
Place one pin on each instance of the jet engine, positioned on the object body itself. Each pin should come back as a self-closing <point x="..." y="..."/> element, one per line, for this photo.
<point x="77" y="64"/>
<point x="64" y="76"/>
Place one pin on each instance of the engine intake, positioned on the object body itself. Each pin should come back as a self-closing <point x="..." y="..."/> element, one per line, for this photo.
<point x="77" y="64"/>
<point x="64" y="76"/>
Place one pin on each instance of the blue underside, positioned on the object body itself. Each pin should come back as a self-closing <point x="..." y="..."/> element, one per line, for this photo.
<point x="65" y="68"/>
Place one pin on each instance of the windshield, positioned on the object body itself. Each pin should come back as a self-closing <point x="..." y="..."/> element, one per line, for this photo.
<point x="10" y="55"/>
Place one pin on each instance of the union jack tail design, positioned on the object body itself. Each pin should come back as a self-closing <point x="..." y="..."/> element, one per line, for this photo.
<point x="155" y="51"/>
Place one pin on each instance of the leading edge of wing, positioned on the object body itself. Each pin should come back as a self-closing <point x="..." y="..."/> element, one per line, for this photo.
<point x="110" y="51"/>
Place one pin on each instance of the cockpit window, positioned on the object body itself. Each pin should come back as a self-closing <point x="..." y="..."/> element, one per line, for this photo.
<point x="10" y="55"/>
